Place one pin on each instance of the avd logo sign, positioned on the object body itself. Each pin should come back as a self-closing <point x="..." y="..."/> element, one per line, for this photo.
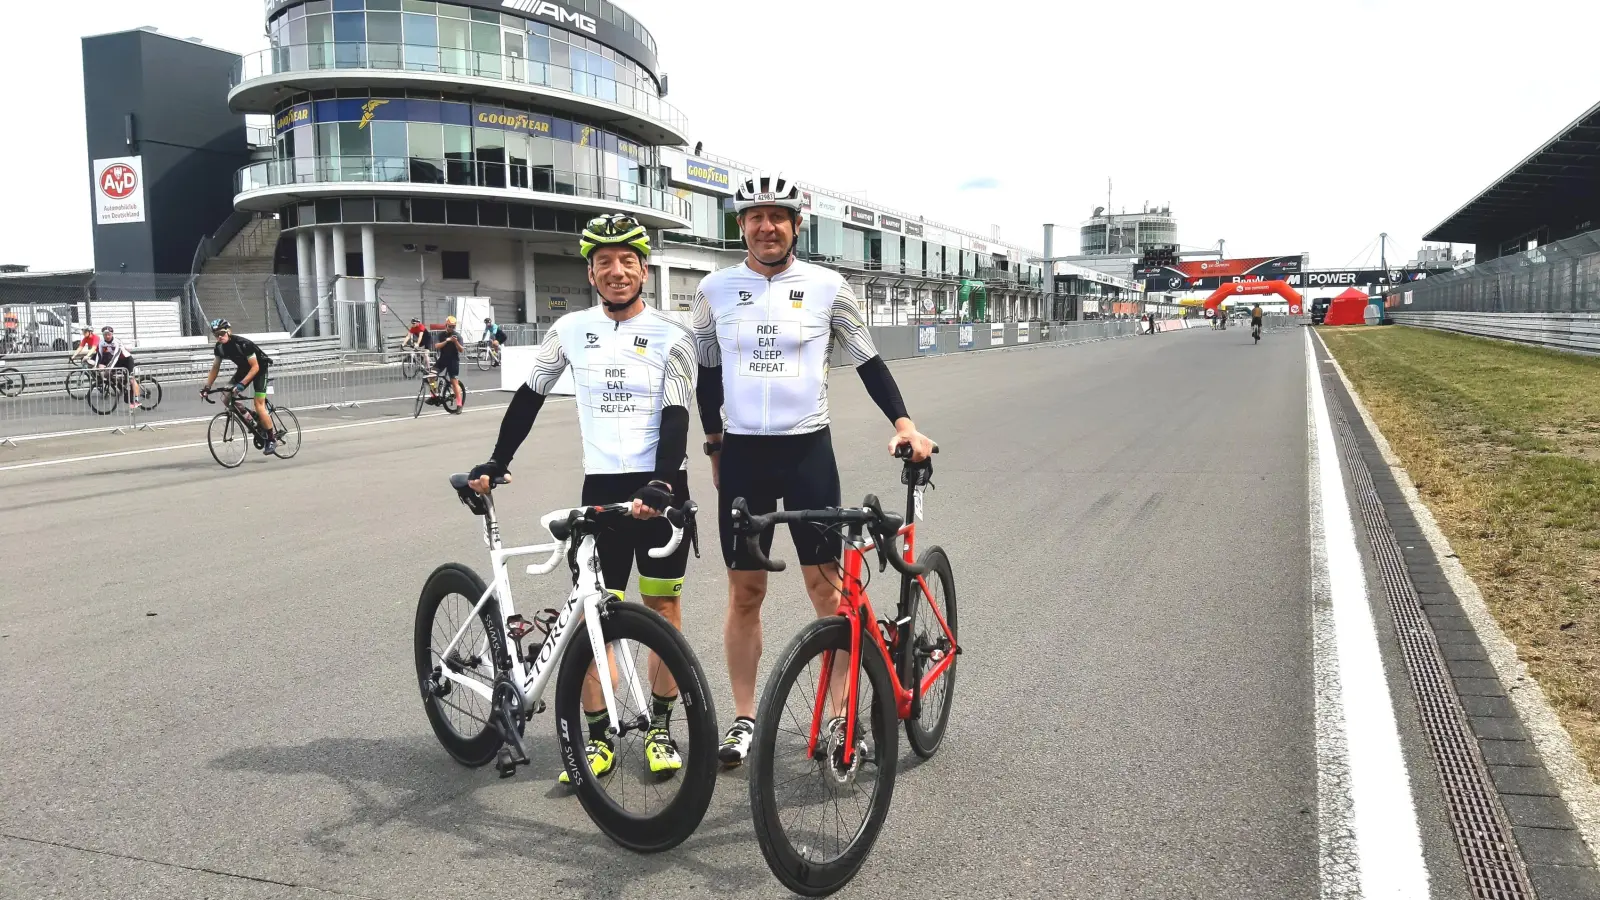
<point x="118" y="190"/>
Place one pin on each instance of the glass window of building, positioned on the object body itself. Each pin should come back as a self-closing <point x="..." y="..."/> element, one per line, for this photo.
<point x="486" y="48"/>
<point x="426" y="143"/>
<point x="421" y="6"/>
<point x="319" y="37"/>
<point x="389" y="151"/>
<point x="355" y="151"/>
<point x="889" y="251"/>
<point x="349" y="35"/>
<point x="458" y="154"/>
<point x="384" y="39"/>
<point x="490" y="149"/>
<point x="855" y="245"/>
<point x="456" y="265"/>
<point x="422" y="42"/>
<point x="517" y="159"/>
<point x="516" y="67"/>
<point x="455" y="42"/>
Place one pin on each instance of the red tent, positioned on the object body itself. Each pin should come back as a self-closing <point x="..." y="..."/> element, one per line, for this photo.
<point x="1349" y="308"/>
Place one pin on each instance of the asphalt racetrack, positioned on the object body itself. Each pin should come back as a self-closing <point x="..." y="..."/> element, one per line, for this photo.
<point x="210" y="688"/>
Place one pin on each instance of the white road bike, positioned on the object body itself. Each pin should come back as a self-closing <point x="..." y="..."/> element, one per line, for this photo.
<point x="483" y="669"/>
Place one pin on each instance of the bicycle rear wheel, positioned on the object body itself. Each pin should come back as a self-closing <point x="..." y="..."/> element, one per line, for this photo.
<point x="286" y="426"/>
<point x="459" y="716"/>
<point x="149" y="392"/>
<point x="644" y="811"/>
<point x="816" y="816"/>
<point x="228" y="440"/>
<point x="12" y="382"/>
<point x="930" y="645"/>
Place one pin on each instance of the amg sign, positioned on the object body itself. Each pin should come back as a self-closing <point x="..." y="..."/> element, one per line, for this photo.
<point x="556" y="13"/>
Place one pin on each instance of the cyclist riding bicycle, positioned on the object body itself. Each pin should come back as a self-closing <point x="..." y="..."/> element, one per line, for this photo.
<point x="493" y="333"/>
<point x="1255" y="320"/>
<point x="418" y="337"/>
<point x="87" y="347"/>
<point x="633" y="370"/>
<point x="251" y="363"/>
<point x="108" y="354"/>
<point x="447" y="361"/>
<point x="765" y="413"/>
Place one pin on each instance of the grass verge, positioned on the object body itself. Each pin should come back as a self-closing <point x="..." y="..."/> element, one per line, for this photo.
<point x="1503" y="442"/>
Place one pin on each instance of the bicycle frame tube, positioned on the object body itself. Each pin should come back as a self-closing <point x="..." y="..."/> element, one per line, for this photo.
<point x="583" y="604"/>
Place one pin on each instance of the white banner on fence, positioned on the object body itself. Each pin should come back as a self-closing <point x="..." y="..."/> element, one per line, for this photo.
<point x="997" y="334"/>
<point x="118" y="190"/>
<point x="966" y="336"/>
<point x="927" y="338"/>
<point x="1022" y="332"/>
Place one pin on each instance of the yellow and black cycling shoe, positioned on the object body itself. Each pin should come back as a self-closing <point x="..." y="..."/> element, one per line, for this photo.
<point x="601" y="759"/>
<point x="661" y="753"/>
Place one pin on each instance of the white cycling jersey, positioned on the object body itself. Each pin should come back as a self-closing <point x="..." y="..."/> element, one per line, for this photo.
<point x="773" y="339"/>
<point x="624" y="373"/>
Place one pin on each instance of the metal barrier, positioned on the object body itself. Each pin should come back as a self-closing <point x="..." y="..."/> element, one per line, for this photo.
<point x="1564" y="331"/>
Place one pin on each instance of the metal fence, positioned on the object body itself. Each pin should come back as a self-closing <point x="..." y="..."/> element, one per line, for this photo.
<point x="1561" y="277"/>
<point x="46" y="313"/>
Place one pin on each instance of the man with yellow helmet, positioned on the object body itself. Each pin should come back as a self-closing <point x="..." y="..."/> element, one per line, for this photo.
<point x="633" y="372"/>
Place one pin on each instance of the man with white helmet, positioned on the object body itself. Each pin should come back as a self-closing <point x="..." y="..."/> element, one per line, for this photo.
<point x="764" y="332"/>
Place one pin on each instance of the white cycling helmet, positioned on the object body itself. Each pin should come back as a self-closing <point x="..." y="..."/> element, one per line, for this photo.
<point x="765" y="189"/>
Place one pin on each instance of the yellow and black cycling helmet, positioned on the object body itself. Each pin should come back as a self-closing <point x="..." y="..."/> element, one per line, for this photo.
<point x="612" y="230"/>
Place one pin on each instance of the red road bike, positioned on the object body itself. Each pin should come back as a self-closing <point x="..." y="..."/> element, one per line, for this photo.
<point x="826" y="752"/>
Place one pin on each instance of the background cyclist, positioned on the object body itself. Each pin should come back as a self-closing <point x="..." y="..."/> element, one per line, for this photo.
<point x="419" y="337"/>
<point x="633" y="370"/>
<point x="493" y="334"/>
<point x="449" y="350"/>
<point x="1255" y="321"/>
<point x="86" y="347"/>
<point x="764" y="331"/>
<point x="251" y="364"/>
<point x="109" y="354"/>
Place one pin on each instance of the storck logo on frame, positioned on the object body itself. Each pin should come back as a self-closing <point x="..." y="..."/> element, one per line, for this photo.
<point x="553" y="12"/>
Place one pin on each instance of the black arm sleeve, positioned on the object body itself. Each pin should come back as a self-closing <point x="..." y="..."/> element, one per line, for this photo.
<point x="673" y="444"/>
<point x="525" y="406"/>
<point x="882" y="389"/>
<point x="708" y="396"/>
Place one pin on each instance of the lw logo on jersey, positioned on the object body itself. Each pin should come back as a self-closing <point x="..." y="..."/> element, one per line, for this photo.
<point x="745" y="298"/>
<point x="639" y="344"/>
<point x="797" y="298"/>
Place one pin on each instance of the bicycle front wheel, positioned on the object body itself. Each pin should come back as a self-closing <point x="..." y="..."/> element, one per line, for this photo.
<point x="817" y="815"/>
<point x="228" y="440"/>
<point x="422" y="398"/>
<point x="459" y="715"/>
<point x="12" y="382"/>
<point x="103" y="396"/>
<point x="286" y="425"/>
<point x="931" y="644"/>
<point x="149" y="393"/>
<point x="77" y="384"/>
<point x="483" y="360"/>
<point x="643" y="805"/>
<point x="408" y="366"/>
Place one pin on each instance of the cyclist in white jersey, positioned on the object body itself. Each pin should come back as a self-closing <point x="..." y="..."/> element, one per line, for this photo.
<point x="634" y="370"/>
<point x="764" y="332"/>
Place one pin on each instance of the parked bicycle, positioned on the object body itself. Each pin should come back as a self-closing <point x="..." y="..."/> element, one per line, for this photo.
<point x="488" y="355"/>
<point x="12" y="381"/>
<point x="826" y="743"/>
<point x="108" y="387"/>
<point x="233" y="431"/>
<point x="435" y="390"/>
<point x="483" y="669"/>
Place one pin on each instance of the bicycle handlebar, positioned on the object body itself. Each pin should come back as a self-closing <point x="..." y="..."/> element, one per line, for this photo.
<point x="883" y="526"/>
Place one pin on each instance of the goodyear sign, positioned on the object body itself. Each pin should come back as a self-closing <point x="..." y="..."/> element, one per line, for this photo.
<point x="701" y="172"/>
<point x="507" y="120"/>
<point x="299" y="114"/>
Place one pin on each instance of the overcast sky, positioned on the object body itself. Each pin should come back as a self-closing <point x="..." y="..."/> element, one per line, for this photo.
<point x="1279" y="126"/>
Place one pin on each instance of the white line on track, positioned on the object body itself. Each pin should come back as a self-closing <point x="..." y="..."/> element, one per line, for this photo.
<point x="1373" y="788"/>
<point x="192" y="444"/>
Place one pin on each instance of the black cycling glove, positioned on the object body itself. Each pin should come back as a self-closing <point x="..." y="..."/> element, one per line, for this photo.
<point x="492" y="468"/>
<point x="657" y="495"/>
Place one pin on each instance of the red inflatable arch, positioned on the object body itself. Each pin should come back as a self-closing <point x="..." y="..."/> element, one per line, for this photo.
<point x="1280" y="288"/>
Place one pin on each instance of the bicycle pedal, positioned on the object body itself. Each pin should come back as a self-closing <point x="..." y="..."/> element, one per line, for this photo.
<point x="505" y="763"/>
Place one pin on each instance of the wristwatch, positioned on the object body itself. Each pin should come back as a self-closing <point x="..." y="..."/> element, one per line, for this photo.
<point x="712" y="449"/>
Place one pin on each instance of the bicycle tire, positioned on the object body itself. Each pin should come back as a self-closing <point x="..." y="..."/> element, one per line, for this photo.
<point x="922" y="732"/>
<point x="697" y="780"/>
<point x="12" y="382"/>
<point x="454" y="579"/>
<point x="222" y="440"/>
<point x="104" y="396"/>
<point x="77" y="384"/>
<point x="798" y="874"/>
<point x="483" y="360"/>
<point x="149" y="393"/>
<point x="287" y="426"/>
<point x="422" y="398"/>
<point x="408" y="367"/>
<point x="447" y="397"/>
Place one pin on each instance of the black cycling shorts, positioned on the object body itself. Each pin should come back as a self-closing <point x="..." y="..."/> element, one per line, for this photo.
<point x="259" y="383"/>
<point x="626" y="541"/>
<point x="798" y="469"/>
<point x="451" y="368"/>
<point x="125" y="362"/>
